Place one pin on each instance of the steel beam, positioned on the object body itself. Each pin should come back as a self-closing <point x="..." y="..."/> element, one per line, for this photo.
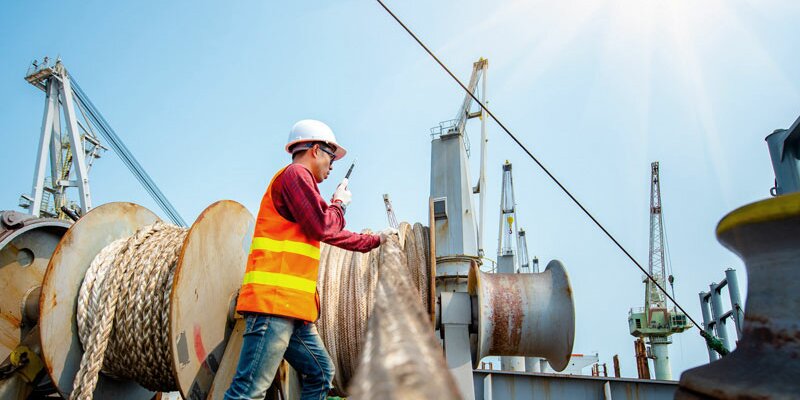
<point x="42" y="157"/>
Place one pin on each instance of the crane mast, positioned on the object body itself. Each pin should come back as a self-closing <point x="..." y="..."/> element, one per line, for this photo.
<point x="655" y="321"/>
<point x="655" y="299"/>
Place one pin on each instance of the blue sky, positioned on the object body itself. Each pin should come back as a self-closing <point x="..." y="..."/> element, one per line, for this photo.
<point x="204" y="94"/>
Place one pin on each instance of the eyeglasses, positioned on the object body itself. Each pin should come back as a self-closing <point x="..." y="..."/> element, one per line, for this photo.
<point x="328" y="152"/>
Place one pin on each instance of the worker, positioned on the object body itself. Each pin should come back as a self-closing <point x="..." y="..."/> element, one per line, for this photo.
<point x="279" y="298"/>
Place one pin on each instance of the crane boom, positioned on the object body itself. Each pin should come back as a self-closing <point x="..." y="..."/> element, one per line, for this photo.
<point x="654" y="298"/>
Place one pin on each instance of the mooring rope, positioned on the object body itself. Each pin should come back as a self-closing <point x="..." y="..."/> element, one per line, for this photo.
<point x="348" y="283"/>
<point x="123" y="311"/>
<point x="401" y="358"/>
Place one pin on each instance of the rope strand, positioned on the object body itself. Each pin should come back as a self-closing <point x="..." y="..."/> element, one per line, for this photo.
<point x="123" y="311"/>
<point x="348" y="283"/>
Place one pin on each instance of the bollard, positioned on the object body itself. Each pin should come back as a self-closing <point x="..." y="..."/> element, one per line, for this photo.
<point x="765" y="364"/>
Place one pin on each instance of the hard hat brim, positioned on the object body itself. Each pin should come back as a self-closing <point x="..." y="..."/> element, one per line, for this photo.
<point x="338" y="154"/>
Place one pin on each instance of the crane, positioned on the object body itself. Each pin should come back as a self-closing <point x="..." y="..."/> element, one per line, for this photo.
<point x="71" y="156"/>
<point x="457" y="126"/>
<point x="390" y="211"/>
<point x="526" y="265"/>
<point x="506" y="262"/>
<point x="656" y="322"/>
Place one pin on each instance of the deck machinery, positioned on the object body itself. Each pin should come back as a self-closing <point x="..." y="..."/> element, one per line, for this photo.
<point x="481" y="314"/>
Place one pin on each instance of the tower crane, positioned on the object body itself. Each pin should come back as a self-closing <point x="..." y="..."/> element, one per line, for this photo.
<point x="656" y="321"/>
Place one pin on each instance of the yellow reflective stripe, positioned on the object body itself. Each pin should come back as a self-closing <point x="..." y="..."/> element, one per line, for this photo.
<point x="288" y="246"/>
<point x="280" y="280"/>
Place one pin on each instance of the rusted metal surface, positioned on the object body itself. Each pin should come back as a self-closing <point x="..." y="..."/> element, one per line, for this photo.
<point x="766" y="362"/>
<point x="530" y="315"/>
<point x="26" y="244"/>
<point x="642" y="367"/>
<point x="209" y="271"/>
<point x="61" y="348"/>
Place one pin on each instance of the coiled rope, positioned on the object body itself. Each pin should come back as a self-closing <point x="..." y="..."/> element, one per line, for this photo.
<point x="123" y="311"/>
<point x="348" y="282"/>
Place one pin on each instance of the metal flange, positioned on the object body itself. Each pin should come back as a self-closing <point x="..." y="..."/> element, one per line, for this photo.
<point x="207" y="276"/>
<point x="58" y="327"/>
<point x="530" y="315"/>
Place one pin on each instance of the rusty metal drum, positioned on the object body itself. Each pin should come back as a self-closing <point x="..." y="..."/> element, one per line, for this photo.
<point x="531" y="315"/>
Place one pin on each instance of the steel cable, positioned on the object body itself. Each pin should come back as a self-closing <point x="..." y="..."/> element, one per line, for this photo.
<point x="539" y="163"/>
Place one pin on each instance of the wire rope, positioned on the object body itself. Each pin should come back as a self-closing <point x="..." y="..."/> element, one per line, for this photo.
<point x="536" y="160"/>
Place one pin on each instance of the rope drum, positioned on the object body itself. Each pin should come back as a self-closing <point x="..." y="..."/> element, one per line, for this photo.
<point x="123" y="310"/>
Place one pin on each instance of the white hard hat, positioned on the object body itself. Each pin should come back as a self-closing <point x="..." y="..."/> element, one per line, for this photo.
<point x="311" y="130"/>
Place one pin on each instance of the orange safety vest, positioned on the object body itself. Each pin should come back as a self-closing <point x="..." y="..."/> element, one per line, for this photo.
<point x="282" y="268"/>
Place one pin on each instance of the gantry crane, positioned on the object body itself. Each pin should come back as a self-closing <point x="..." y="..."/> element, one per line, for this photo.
<point x="70" y="150"/>
<point x="656" y="321"/>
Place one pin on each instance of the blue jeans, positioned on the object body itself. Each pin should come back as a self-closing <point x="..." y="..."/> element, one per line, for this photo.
<point x="267" y="340"/>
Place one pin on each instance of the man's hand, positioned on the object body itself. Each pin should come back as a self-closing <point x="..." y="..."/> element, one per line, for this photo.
<point x="342" y="194"/>
<point x="388" y="232"/>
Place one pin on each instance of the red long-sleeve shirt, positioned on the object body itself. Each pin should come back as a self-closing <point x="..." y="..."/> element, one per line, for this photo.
<point x="297" y="198"/>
